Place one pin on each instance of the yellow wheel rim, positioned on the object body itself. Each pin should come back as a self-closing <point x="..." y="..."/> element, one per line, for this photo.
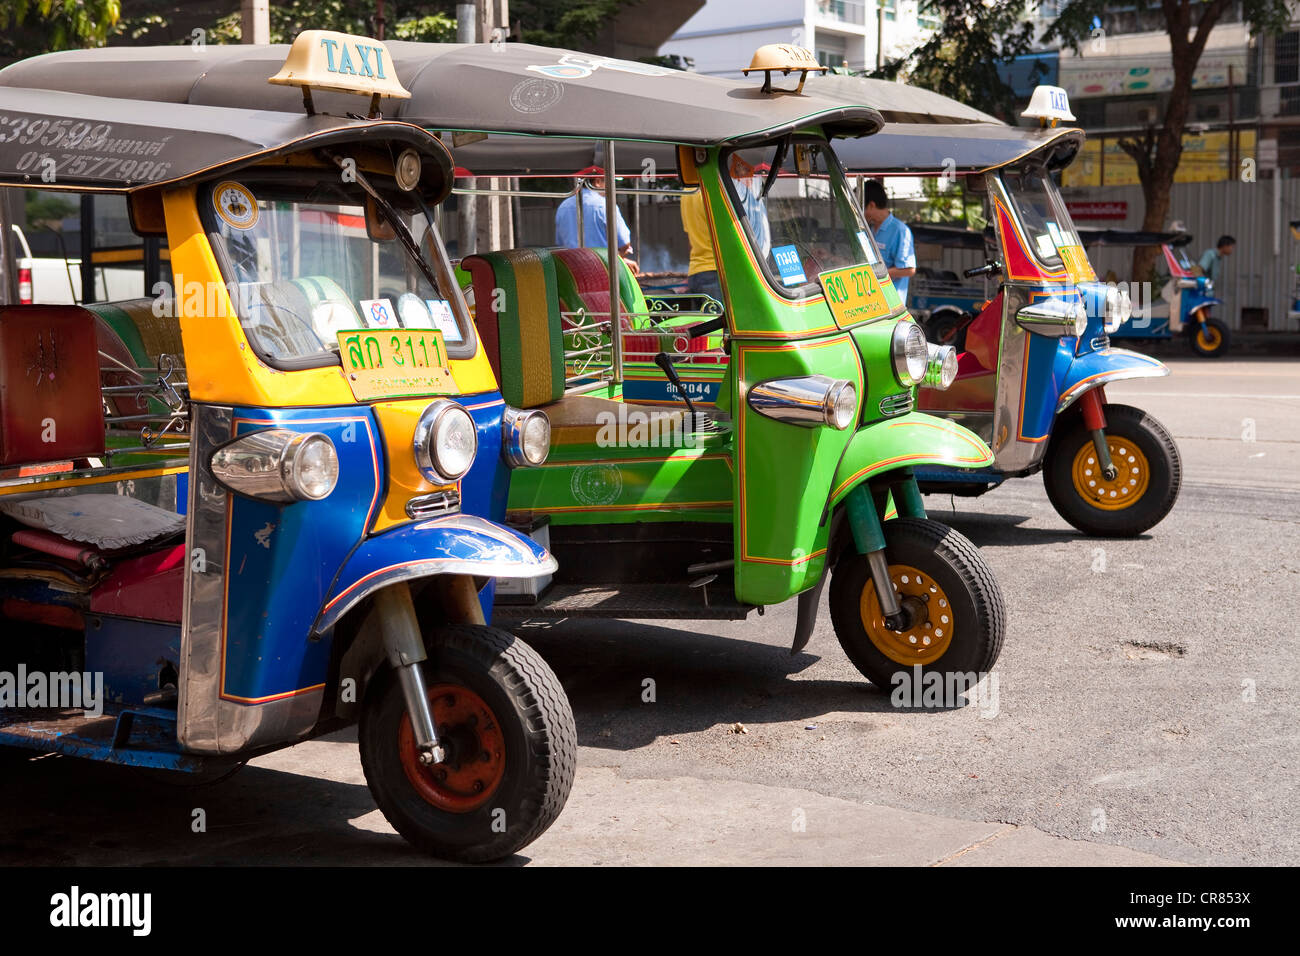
<point x="931" y="632"/>
<point x="1132" y="475"/>
<point x="1208" y="337"/>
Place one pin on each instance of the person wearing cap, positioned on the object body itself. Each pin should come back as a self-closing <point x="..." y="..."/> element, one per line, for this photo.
<point x="594" y="231"/>
<point x="892" y="235"/>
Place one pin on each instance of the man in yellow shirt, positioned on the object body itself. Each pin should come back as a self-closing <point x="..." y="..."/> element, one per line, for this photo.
<point x="702" y="272"/>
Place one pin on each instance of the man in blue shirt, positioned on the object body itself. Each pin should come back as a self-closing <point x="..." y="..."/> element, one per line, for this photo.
<point x="1211" y="261"/>
<point x="594" y="232"/>
<point x="892" y="236"/>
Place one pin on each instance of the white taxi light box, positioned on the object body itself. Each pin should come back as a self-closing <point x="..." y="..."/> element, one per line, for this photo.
<point x="1049" y="104"/>
<point x="325" y="60"/>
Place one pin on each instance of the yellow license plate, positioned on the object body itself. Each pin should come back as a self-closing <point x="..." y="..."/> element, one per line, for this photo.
<point x="855" y="294"/>
<point x="392" y="363"/>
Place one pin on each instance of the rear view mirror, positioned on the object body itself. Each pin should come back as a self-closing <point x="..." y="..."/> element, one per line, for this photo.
<point x="378" y="229"/>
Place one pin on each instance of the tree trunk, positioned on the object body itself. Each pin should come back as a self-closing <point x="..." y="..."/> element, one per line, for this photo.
<point x="1185" y="53"/>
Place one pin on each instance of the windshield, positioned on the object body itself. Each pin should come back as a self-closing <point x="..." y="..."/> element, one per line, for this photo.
<point x="303" y="266"/>
<point x="1040" y="212"/>
<point x="802" y="221"/>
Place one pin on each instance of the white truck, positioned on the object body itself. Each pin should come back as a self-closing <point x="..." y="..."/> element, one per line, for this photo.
<point x="57" y="281"/>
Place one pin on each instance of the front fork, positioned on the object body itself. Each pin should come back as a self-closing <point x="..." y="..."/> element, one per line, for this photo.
<point x="865" y="505"/>
<point x="404" y="647"/>
<point x="1093" y="405"/>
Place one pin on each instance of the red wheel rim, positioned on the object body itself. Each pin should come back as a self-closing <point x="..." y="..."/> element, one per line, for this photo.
<point x="476" y="751"/>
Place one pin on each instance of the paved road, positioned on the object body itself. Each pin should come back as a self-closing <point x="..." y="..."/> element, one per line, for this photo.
<point x="1145" y="712"/>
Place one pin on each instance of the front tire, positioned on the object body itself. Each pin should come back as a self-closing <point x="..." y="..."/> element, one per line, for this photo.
<point x="1150" y="472"/>
<point x="959" y="616"/>
<point x="1209" y="339"/>
<point x="511" y="747"/>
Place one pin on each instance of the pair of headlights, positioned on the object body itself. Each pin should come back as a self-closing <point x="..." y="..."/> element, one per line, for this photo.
<point x="446" y="440"/>
<point x="918" y="362"/>
<point x="277" y="464"/>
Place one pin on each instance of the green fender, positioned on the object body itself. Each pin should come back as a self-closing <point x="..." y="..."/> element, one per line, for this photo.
<point x="913" y="439"/>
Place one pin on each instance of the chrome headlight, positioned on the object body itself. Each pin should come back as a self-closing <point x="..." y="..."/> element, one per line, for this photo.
<point x="277" y="464"/>
<point x="809" y="400"/>
<point x="525" y="437"/>
<point x="911" y="352"/>
<point x="941" y="371"/>
<point x="446" y="440"/>
<point x="841" y="407"/>
<point x="1119" y="308"/>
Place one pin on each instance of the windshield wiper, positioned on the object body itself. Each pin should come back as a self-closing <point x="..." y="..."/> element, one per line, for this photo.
<point x="390" y="214"/>
<point x="777" y="161"/>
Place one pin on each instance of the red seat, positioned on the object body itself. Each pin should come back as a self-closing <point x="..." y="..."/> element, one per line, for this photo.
<point x="150" y="586"/>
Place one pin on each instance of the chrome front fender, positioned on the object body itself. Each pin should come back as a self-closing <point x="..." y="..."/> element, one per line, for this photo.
<point x="452" y="544"/>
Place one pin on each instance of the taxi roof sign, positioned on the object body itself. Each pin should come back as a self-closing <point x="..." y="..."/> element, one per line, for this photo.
<point x="326" y="60"/>
<point x="787" y="58"/>
<point x="1049" y="105"/>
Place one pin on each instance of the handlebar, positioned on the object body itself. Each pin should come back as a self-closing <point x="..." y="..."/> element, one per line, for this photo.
<point x="706" y="328"/>
<point x="988" y="269"/>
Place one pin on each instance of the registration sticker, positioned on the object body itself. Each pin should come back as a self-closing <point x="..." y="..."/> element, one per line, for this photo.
<point x="235" y="205"/>
<point x="443" y="318"/>
<point x="788" y="264"/>
<point x="393" y="364"/>
<point x="856" y="295"/>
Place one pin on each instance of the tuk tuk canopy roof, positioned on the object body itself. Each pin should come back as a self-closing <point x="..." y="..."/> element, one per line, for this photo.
<point x="501" y="88"/>
<point x="921" y="148"/>
<point x="58" y="140"/>
<point x="898" y="102"/>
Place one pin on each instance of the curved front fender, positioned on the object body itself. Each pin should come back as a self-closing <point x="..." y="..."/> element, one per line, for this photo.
<point x="1105" y="365"/>
<point x="453" y="544"/>
<point x="914" y="439"/>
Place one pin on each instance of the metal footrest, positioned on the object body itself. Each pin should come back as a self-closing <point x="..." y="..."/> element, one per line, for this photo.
<point x="678" y="601"/>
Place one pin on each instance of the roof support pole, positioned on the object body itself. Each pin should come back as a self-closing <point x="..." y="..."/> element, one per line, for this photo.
<point x="611" y="255"/>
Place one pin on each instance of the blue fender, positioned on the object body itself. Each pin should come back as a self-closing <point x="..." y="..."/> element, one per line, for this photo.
<point x="1091" y="369"/>
<point x="451" y="544"/>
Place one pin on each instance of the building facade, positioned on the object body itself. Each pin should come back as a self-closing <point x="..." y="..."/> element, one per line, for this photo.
<point x="722" y="36"/>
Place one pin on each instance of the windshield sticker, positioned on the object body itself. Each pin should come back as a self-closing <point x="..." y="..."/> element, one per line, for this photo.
<point x="867" y="248"/>
<point x="235" y="205"/>
<point x="413" y="312"/>
<point x="1046" y="248"/>
<point x="788" y="264"/>
<point x="1057" y="239"/>
<point x="378" y="313"/>
<point x="440" y="310"/>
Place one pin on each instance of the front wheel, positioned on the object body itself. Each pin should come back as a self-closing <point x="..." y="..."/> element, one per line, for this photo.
<point x="506" y="725"/>
<point x="1209" y="338"/>
<point x="1148" y="474"/>
<point x="956" y="614"/>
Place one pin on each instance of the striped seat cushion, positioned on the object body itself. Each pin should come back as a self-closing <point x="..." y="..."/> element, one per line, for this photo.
<point x="517" y="312"/>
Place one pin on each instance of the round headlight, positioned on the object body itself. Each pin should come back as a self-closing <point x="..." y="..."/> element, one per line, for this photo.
<point x="841" y="405"/>
<point x="911" y="352"/>
<point x="445" y="441"/>
<point x="1080" y="317"/>
<point x="942" y="368"/>
<point x="310" y="467"/>
<point x="526" y="437"/>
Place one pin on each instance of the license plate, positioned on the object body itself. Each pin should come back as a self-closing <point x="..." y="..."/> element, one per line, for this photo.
<point x="392" y="363"/>
<point x="854" y="294"/>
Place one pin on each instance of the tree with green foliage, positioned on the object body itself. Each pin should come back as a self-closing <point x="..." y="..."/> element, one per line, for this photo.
<point x="28" y="27"/>
<point x="961" y="60"/>
<point x="962" y="57"/>
<point x="408" y="21"/>
<point x="1158" y="149"/>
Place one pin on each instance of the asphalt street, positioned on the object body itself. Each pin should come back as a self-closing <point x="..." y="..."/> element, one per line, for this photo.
<point x="1146" y="707"/>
